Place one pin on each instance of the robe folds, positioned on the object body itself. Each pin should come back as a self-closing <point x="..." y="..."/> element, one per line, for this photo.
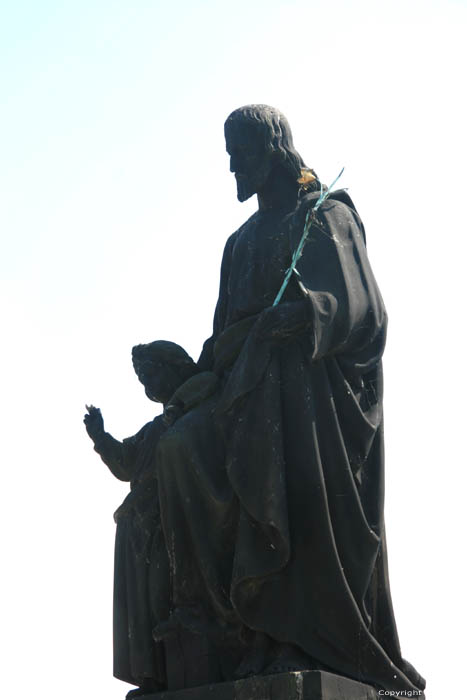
<point x="272" y="490"/>
<point x="141" y="576"/>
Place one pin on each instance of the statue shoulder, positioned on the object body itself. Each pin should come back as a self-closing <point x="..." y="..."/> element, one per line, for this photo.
<point x="339" y="200"/>
<point x="338" y="207"/>
<point x="251" y="221"/>
<point x="233" y="238"/>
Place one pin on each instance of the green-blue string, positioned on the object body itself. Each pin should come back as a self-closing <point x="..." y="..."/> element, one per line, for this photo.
<point x="306" y="229"/>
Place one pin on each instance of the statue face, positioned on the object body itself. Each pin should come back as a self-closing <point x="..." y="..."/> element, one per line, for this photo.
<point x="249" y="159"/>
<point x="158" y="378"/>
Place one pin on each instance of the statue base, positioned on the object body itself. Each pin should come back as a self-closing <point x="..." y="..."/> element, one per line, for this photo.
<point x="300" y="685"/>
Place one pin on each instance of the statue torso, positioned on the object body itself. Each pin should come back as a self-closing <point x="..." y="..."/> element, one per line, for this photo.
<point x="260" y="256"/>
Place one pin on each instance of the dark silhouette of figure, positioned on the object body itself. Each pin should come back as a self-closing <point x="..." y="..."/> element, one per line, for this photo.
<point x="252" y="541"/>
<point x="141" y="578"/>
<point x="271" y="489"/>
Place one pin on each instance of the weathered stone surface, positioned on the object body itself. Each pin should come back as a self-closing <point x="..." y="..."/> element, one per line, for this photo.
<point x="252" y="540"/>
<point x="303" y="685"/>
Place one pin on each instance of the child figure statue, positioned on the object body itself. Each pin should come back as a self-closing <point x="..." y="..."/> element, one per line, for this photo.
<point x="141" y="572"/>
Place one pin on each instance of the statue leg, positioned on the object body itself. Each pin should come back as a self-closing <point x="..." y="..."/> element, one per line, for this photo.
<point x="199" y="515"/>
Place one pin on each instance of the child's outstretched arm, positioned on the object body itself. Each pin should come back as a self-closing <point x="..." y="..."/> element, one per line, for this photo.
<point x="109" y="449"/>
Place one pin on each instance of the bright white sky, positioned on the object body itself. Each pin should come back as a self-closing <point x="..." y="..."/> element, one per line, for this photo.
<point x="117" y="202"/>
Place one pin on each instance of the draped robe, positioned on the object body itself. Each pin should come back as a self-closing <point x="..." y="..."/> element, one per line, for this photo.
<point x="141" y="566"/>
<point x="272" y="490"/>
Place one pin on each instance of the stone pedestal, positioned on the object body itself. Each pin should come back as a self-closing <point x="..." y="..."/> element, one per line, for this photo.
<point x="302" y="685"/>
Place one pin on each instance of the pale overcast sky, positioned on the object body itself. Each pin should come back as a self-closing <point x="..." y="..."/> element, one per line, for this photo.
<point x="117" y="201"/>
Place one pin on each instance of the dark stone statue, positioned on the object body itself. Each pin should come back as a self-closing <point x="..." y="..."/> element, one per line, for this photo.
<point x="141" y="571"/>
<point x="253" y="540"/>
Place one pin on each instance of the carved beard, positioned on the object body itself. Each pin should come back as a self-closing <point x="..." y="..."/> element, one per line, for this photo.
<point x="252" y="183"/>
<point x="245" y="189"/>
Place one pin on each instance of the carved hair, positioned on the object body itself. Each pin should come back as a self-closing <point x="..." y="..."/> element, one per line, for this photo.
<point x="275" y="128"/>
<point x="166" y="352"/>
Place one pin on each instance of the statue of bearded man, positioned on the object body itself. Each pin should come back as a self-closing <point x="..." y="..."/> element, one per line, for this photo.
<point x="272" y="488"/>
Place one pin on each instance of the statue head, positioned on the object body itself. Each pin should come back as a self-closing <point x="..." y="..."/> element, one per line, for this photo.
<point x="162" y="367"/>
<point x="258" y="140"/>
